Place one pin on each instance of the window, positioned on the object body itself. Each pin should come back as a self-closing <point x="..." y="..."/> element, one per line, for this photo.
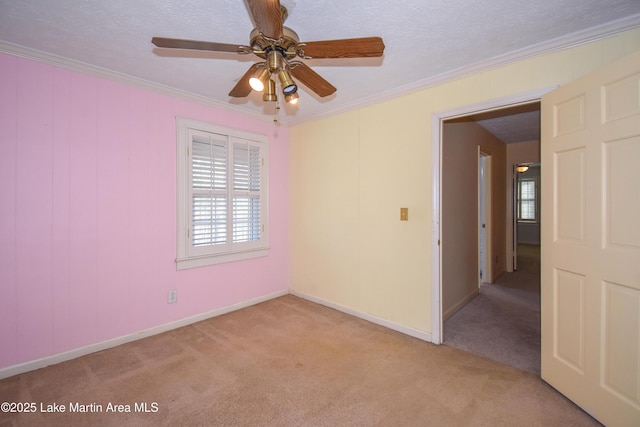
<point x="222" y="195"/>
<point x="527" y="202"/>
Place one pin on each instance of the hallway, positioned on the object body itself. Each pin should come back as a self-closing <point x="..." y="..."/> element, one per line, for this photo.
<point x="503" y="322"/>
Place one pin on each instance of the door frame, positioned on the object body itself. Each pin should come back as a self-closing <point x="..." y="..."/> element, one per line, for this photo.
<point x="437" y="122"/>
<point x="484" y="216"/>
<point x="514" y="197"/>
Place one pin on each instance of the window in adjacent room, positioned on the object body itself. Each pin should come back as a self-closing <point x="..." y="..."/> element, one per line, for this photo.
<point x="222" y="194"/>
<point x="527" y="200"/>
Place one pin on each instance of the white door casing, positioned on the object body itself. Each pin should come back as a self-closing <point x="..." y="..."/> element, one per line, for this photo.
<point x="437" y="120"/>
<point x="590" y="290"/>
<point x="514" y="213"/>
<point x="482" y="220"/>
<point x="487" y="213"/>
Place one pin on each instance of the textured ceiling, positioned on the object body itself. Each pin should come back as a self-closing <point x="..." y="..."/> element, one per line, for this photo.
<point x="512" y="125"/>
<point x="425" y="40"/>
<point x="515" y="128"/>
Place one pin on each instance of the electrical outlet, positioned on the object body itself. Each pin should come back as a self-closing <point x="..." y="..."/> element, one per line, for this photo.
<point x="172" y="296"/>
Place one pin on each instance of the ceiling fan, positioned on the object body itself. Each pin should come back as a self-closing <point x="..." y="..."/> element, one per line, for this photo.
<point x="279" y="46"/>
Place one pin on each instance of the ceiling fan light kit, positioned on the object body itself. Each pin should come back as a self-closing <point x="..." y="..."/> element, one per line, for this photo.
<point x="292" y="98"/>
<point x="259" y="79"/>
<point x="278" y="46"/>
<point x="269" y="94"/>
<point x="286" y="82"/>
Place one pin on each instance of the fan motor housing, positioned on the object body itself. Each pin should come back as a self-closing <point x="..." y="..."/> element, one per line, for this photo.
<point x="261" y="45"/>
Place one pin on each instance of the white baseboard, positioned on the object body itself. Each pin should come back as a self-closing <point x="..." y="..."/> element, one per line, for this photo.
<point x="78" y="352"/>
<point x="416" y="333"/>
<point x="93" y="348"/>
<point x="451" y="311"/>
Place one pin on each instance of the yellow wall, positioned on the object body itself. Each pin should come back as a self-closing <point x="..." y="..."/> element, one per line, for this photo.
<point x="351" y="173"/>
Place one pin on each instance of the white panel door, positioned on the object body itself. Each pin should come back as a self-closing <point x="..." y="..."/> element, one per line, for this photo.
<point x="482" y="218"/>
<point x="591" y="242"/>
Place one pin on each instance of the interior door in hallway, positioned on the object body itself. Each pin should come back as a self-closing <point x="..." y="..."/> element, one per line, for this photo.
<point x="484" y="204"/>
<point x="591" y="242"/>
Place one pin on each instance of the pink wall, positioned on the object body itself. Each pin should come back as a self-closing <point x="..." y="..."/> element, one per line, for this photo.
<point x="88" y="212"/>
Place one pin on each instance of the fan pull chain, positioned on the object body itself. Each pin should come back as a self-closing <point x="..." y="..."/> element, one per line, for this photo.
<point x="275" y="117"/>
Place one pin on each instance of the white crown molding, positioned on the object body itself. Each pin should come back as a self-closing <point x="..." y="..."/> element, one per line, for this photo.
<point x="73" y="65"/>
<point x="575" y="39"/>
<point x="561" y="43"/>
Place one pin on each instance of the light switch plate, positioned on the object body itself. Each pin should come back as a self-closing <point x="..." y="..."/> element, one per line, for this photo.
<point x="404" y="214"/>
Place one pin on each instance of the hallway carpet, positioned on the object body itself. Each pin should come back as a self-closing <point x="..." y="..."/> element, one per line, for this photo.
<point x="503" y="321"/>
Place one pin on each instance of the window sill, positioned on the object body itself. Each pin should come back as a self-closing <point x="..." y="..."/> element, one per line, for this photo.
<point x="203" y="261"/>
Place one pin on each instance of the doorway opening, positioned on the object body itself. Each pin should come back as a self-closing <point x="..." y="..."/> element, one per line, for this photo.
<point x="503" y="243"/>
<point x="526" y="211"/>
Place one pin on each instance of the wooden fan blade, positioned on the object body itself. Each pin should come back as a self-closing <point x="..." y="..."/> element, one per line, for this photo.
<point x="346" y="48"/>
<point x="198" y="45"/>
<point x="242" y="88"/>
<point x="267" y="17"/>
<point x="312" y="80"/>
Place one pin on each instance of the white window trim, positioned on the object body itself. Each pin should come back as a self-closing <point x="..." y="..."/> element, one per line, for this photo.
<point x="235" y="252"/>
<point x="536" y="201"/>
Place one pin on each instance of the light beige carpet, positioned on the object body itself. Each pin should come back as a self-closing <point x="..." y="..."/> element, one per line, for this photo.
<point x="502" y="323"/>
<point x="288" y="362"/>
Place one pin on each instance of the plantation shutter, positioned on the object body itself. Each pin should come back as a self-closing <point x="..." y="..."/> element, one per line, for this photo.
<point x="222" y="198"/>
<point x="209" y="211"/>
<point x="247" y="189"/>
